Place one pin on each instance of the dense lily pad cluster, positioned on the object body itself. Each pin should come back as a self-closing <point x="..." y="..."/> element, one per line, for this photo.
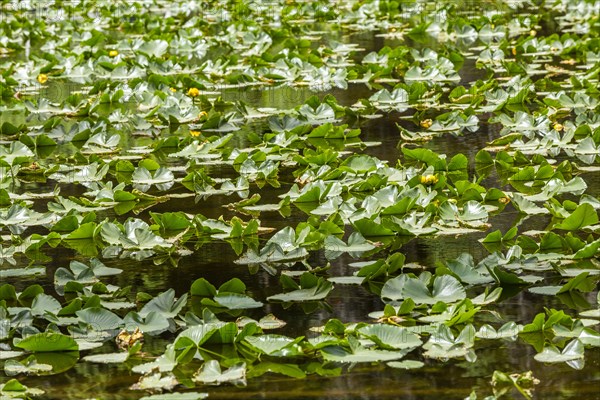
<point x="121" y="119"/>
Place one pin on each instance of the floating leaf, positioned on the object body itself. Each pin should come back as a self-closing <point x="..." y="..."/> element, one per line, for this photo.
<point x="274" y="345"/>
<point x="445" y="288"/>
<point x="107" y="358"/>
<point x="210" y="374"/>
<point x="391" y="337"/>
<point x="164" y="304"/>
<point x="99" y="318"/>
<point x="46" y="342"/>
<point x="360" y="354"/>
<point x="406" y="364"/>
<point x="177" y="396"/>
<point x="572" y="351"/>
<point x="584" y="215"/>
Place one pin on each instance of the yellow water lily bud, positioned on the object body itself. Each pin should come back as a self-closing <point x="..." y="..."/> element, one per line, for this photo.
<point x="193" y="92"/>
<point x="125" y="340"/>
<point x="504" y="200"/>
<point x="533" y="32"/>
<point x="113" y="53"/>
<point x="558" y="127"/>
<point x="514" y="51"/>
<point x="195" y="133"/>
<point x="173" y="89"/>
<point x="426" y="123"/>
<point x="429" y="179"/>
<point x="202" y="114"/>
<point x="42" y="78"/>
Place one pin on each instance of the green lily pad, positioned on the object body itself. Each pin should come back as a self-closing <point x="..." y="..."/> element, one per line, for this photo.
<point x="445" y="288"/>
<point x="211" y="374"/>
<point x="406" y="364"/>
<point x="391" y="337"/>
<point x="107" y="358"/>
<point x="177" y="396"/>
<point x="573" y="351"/>
<point x="46" y="342"/>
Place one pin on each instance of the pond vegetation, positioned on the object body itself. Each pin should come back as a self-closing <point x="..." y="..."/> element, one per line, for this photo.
<point x="299" y="199"/>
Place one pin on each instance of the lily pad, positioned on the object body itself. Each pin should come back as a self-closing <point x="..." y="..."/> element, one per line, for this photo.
<point x="47" y="342"/>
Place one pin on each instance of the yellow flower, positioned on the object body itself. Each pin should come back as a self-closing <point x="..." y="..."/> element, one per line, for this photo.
<point x="113" y="53"/>
<point x="532" y="32"/>
<point x="426" y="123"/>
<point x="173" y="89"/>
<point x="514" y="51"/>
<point x="504" y="200"/>
<point x="42" y="78"/>
<point x="195" y="133"/>
<point x="558" y="127"/>
<point x="193" y="92"/>
<point x="429" y="179"/>
<point x="125" y="340"/>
